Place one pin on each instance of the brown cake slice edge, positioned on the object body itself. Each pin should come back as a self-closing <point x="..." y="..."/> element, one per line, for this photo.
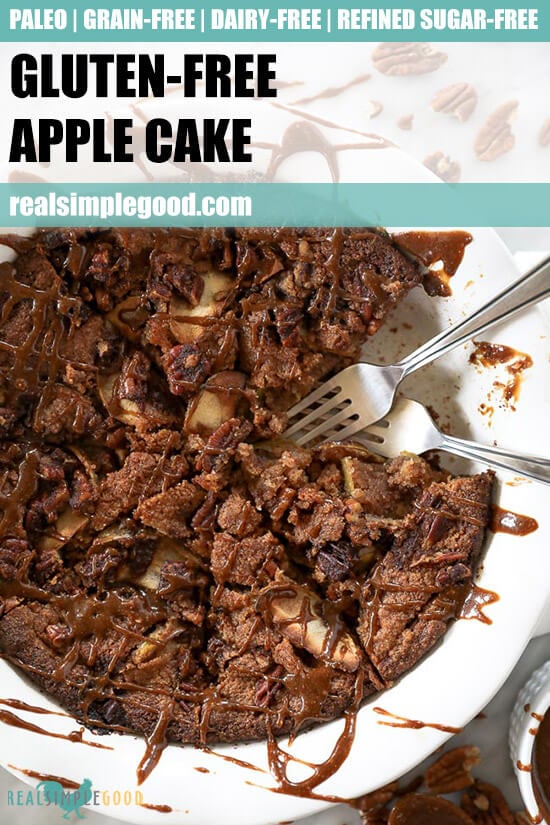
<point x="422" y="581"/>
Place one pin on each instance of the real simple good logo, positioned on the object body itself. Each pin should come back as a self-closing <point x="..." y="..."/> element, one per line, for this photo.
<point x="52" y="793"/>
<point x="68" y="801"/>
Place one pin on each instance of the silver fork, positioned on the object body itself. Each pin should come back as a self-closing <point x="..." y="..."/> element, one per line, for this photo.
<point x="409" y="426"/>
<point x="363" y="393"/>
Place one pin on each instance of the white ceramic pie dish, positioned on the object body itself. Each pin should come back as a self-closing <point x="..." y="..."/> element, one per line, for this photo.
<point x="451" y="684"/>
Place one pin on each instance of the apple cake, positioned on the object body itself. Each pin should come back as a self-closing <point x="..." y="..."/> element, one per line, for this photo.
<point x="169" y="563"/>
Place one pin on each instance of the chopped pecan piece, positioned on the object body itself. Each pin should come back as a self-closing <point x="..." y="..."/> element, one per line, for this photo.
<point x="15" y="558"/>
<point x="222" y="444"/>
<point x="405" y="123"/>
<point x="268" y="686"/>
<point x="57" y="635"/>
<point x="134" y="377"/>
<point x="289" y="320"/>
<point x="170" y="274"/>
<point x="186" y="368"/>
<point x="442" y="166"/>
<point x="335" y="561"/>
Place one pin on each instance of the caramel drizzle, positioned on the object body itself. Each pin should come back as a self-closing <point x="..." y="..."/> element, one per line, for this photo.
<point x="241" y="763"/>
<point x="279" y="759"/>
<point x="208" y="699"/>
<point x="37" y="361"/>
<point x="67" y="783"/>
<point x="300" y="137"/>
<point x="489" y="355"/>
<point x="432" y="247"/>
<point x="91" y="618"/>
<point x="161" y="809"/>
<point x="515" y="524"/>
<point x="9" y="718"/>
<point x="19" y="705"/>
<point x="25" y="487"/>
<point x="375" y="141"/>
<point x="332" y="91"/>
<point x="477" y="599"/>
<point x="156" y="743"/>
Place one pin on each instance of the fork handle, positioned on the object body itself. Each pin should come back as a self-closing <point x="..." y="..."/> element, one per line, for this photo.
<point x="528" y="290"/>
<point x="521" y="463"/>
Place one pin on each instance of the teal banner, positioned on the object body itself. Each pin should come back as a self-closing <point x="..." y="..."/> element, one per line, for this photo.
<point x="148" y="20"/>
<point x="276" y="204"/>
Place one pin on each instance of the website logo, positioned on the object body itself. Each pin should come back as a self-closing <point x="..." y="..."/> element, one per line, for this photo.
<point x="50" y="793"/>
<point x="68" y="801"/>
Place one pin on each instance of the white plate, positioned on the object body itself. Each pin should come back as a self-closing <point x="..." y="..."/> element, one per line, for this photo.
<point x="448" y="687"/>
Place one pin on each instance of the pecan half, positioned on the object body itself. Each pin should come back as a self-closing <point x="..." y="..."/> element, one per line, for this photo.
<point x="401" y="59"/>
<point x="451" y="772"/>
<point x="442" y="166"/>
<point x="495" y="137"/>
<point x="486" y="805"/>
<point x="458" y="100"/>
